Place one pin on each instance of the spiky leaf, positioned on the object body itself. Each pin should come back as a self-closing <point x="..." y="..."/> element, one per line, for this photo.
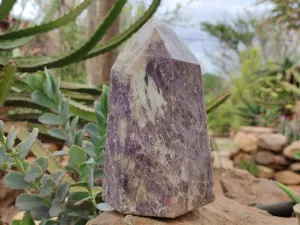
<point x="70" y="17"/>
<point x="1" y="130"/>
<point x="5" y="8"/>
<point x="7" y="77"/>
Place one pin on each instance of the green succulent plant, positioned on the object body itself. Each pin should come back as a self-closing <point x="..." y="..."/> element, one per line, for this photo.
<point x="89" y="49"/>
<point x="54" y="197"/>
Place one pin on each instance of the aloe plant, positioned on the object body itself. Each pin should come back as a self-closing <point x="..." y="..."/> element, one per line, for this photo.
<point x="215" y="103"/>
<point x="5" y="8"/>
<point x="295" y="198"/>
<point x="89" y="49"/>
<point x="7" y="78"/>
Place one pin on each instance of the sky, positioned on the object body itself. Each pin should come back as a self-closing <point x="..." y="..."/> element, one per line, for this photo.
<point x="209" y="11"/>
<point x="195" y="12"/>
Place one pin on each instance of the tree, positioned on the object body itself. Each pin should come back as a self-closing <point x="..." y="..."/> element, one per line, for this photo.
<point x="285" y="13"/>
<point x="232" y="38"/>
<point x="98" y="68"/>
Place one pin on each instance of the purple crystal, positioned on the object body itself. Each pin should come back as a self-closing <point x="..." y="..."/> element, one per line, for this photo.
<point x="157" y="156"/>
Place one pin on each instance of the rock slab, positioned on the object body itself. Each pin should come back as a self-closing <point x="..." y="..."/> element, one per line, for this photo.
<point x="246" y="189"/>
<point x="291" y="149"/>
<point x="287" y="177"/>
<point x="272" y="142"/>
<point x="223" y="211"/>
<point x="247" y="142"/>
<point x="157" y="155"/>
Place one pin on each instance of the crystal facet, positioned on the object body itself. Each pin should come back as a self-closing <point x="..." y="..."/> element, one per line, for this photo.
<point x="157" y="156"/>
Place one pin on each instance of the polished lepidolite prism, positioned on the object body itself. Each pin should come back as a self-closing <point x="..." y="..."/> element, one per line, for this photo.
<point x="157" y="156"/>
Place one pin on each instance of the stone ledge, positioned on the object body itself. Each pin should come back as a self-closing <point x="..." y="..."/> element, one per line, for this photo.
<point x="222" y="211"/>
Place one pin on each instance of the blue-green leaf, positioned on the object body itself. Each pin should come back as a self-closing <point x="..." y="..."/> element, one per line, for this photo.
<point x="27" y="202"/>
<point x="104" y="207"/>
<point x="99" y="160"/>
<point x="58" y="133"/>
<point x="48" y="188"/>
<point x="57" y="208"/>
<point x="10" y="142"/>
<point x="4" y="157"/>
<point x="41" y="99"/>
<point x="40" y="213"/>
<point x="36" y="81"/>
<point x="79" y="137"/>
<point x="57" y="176"/>
<point x="42" y="162"/>
<point x="35" y="171"/>
<point x="93" y="131"/>
<point x="25" y="146"/>
<point x="76" y="155"/>
<point x="62" y="191"/>
<point x="89" y="148"/>
<point x="15" y="181"/>
<point x="50" y="119"/>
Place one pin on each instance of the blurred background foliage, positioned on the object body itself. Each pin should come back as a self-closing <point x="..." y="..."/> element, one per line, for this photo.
<point x="258" y="57"/>
<point x="259" y="64"/>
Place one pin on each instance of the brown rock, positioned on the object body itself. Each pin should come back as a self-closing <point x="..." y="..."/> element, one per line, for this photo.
<point x="291" y="149"/>
<point x="246" y="189"/>
<point x="157" y="155"/>
<point x="51" y="147"/>
<point x="287" y="177"/>
<point x="280" y="162"/>
<point x="273" y="142"/>
<point x="222" y="212"/>
<point x="295" y="188"/>
<point x="295" y="167"/>
<point x="269" y="159"/>
<point x="233" y="154"/>
<point x="265" y="158"/>
<point x="257" y="130"/>
<point x="240" y="157"/>
<point x="265" y="172"/>
<point x="246" y="142"/>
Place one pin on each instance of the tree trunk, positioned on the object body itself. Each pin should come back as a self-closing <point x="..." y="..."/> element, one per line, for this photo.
<point x="98" y="68"/>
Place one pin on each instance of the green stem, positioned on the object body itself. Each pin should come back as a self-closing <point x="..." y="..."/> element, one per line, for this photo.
<point x="33" y="185"/>
<point x="93" y="202"/>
